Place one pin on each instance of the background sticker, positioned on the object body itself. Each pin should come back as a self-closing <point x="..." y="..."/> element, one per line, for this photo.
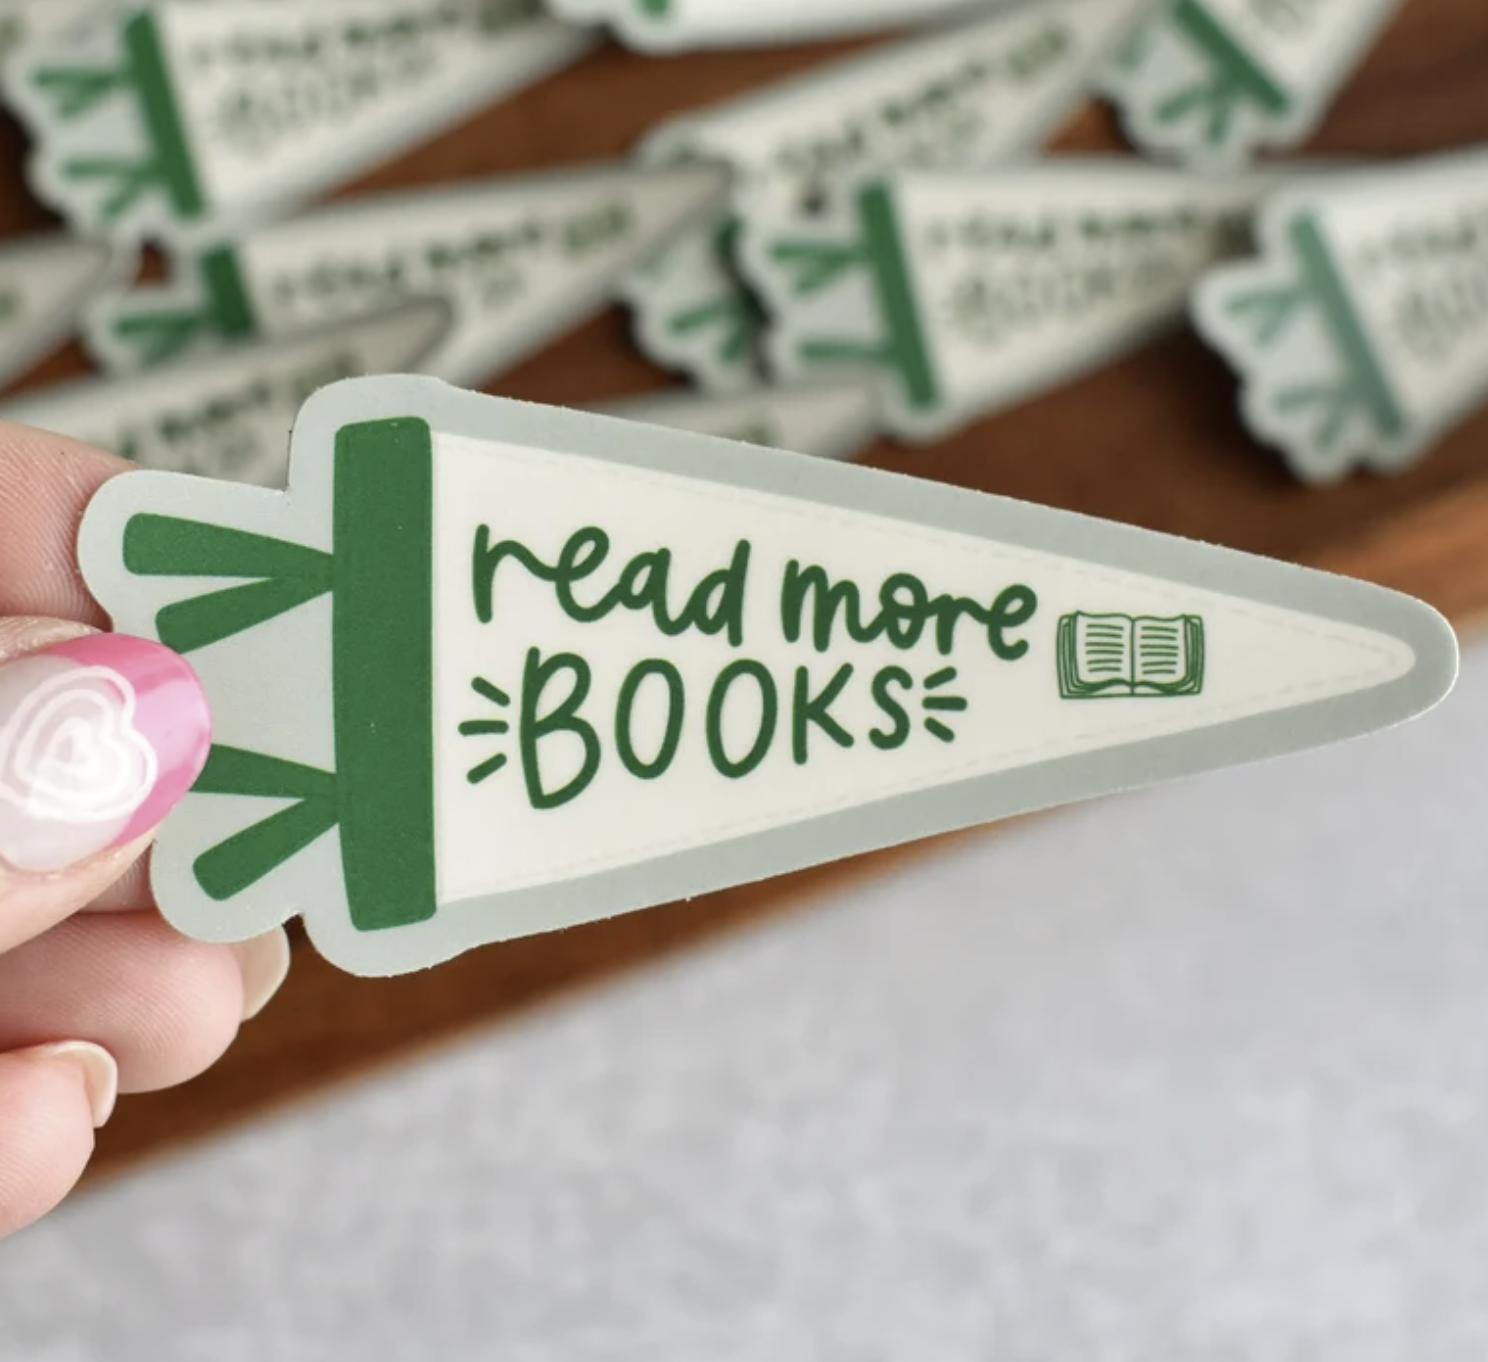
<point x="181" y="112"/>
<point x="519" y="258"/>
<point x="533" y="667"/>
<point x="1214" y="81"/>
<point x="228" y="415"/>
<point x="1362" y="332"/>
<point x="45" y="283"/>
<point x="974" y="94"/>
<point x="674" y="25"/>
<point x="826" y="420"/>
<point x="970" y="293"/>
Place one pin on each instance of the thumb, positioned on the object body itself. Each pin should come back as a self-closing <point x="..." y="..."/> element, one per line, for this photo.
<point x="101" y="735"/>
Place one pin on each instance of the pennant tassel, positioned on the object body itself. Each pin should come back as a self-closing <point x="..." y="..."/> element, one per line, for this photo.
<point x="285" y="575"/>
<point x="244" y="859"/>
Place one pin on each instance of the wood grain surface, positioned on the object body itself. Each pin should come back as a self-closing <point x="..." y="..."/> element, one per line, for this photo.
<point x="1153" y="440"/>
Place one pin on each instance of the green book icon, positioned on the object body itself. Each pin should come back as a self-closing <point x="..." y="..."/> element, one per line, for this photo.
<point x="1121" y="656"/>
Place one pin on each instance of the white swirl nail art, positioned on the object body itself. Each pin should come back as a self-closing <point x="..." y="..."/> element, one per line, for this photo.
<point x="70" y="752"/>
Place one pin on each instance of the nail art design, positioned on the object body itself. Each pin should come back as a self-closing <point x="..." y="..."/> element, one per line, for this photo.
<point x="99" y="737"/>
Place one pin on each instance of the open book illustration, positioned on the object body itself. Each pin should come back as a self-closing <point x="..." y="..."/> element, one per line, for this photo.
<point x="1104" y="656"/>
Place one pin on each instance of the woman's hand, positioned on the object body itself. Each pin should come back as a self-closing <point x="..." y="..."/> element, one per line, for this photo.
<point x="100" y="736"/>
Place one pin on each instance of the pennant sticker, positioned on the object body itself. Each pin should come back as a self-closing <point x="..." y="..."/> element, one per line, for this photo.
<point x="534" y="667"/>
<point x="826" y="420"/>
<point x="45" y="283"/>
<point x="1215" y="81"/>
<point x="229" y="415"/>
<point x="677" y="25"/>
<point x="970" y="293"/>
<point x="177" y="113"/>
<point x="1362" y="331"/>
<point x="971" y="95"/>
<point x="520" y="259"/>
<point x="24" y="21"/>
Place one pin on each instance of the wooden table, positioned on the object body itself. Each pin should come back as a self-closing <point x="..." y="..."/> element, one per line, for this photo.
<point x="1153" y="440"/>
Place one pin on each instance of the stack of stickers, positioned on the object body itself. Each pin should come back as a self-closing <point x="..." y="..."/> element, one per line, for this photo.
<point x="874" y="248"/>
<point x="533" y="667"/>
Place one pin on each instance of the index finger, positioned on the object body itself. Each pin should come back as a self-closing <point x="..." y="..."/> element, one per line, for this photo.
<point x="46" y="482"/>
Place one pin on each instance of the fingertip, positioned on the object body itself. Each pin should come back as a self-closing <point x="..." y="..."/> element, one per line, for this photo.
<point x="52" y="1097"/>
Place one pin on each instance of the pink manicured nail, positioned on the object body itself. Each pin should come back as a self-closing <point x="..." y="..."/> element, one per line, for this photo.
<point x="100" y="737"/>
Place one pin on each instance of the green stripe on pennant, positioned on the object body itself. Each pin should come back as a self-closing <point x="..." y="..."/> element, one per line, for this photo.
<point x="906" y="341"/>
<point x="162" y="116"/>
<point x="1239" y="70"/>
<point x="383" y="650"/>
<point x="1367" y="377"/>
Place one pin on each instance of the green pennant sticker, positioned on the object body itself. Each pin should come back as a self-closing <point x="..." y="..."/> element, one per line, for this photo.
<point x="226" y="415"/>
<point x="520" y="259"/>
<point x="167" y="115"/>
<point x="977" y="93"/>
<point x="968" y="293"/>
<point x="1215" y="81"/>
<point x="826" y="420"/>
<point x="489" y="669"/>
<point x="1361" y="332"/>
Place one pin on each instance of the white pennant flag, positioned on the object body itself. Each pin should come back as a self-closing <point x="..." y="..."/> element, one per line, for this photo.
<point x="228" y="415"/>
<point x="968" y="293"/>
<point x="1361" y="333"/>
<point x="986" y="90"/>
<point x="491" y="669"/>
<point x="167" y="115"/>
<point x="520" y="259"/>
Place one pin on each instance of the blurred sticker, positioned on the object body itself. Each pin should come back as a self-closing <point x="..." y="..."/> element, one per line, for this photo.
<point x="826" y="420"/>
<point x="1361" y="332"/>
<point x="180" y="112"/>
<point x="675" y="25"/>
<point x="969" y="293"/>
<point x="228" y="415"/>
<point x="45" y="283"/>
<point x="519" y="258"/>
<point x="975" y="94"/>
<point x="1214" y="81"/>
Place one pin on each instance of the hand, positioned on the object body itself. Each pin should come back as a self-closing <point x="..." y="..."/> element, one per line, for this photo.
<point x="100" y="736"/>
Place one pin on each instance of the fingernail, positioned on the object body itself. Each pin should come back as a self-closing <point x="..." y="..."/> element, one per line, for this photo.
<point x="94" y="1065"/>
<point x="264" y="962"/>
<point x="100" y="737"/>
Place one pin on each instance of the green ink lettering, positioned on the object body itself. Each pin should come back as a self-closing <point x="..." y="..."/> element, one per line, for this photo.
<point x="1012" y="609"/>
<point x="769" y="715"/>
<point x="808" y="710"/>
<point x="625" y="716"/>
<point x="535" y="726"/>
<point x="887" y="740"/>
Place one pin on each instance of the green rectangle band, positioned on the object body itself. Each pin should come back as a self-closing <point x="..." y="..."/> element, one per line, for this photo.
<point x="157" y="99"/>
<point x="1332" y="298"/>
<point x="1205" y="32"/>
<point x="383" y="651"/>
<point x="906" y="341"/>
